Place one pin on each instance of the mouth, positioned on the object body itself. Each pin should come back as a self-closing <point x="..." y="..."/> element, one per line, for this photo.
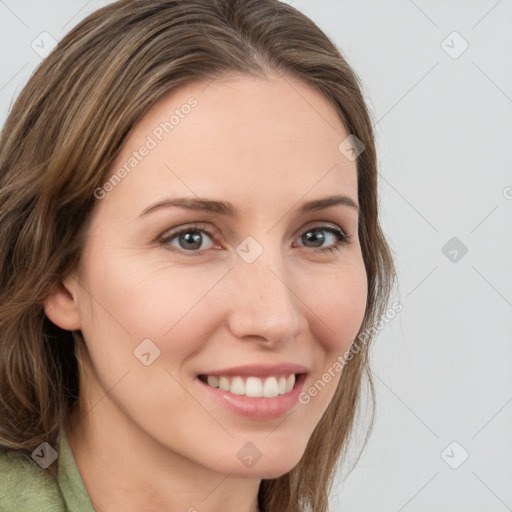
<point x="249" y="396"/>
<point x="253" y="386"/>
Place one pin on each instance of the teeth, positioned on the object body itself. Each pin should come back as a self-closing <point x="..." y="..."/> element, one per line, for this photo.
<point x="253" y="386"/>
<point x="270" y="387"/>
<point x="213" y="381"/>
<point x="224" y="384"/>
<point x="237" y="386"/>
<point x="290" y="381"/>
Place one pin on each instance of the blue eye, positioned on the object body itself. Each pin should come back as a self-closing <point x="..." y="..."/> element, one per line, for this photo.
<point x="190" y="239"/>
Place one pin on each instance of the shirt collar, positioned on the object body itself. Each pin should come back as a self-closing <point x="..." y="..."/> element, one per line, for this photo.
<point x="70" y="482"/>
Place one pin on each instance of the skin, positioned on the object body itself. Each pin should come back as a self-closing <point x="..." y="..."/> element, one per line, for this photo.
<point x="151" y="438"/>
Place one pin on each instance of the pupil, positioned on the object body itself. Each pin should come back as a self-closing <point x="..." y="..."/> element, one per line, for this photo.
<point x="194" y="239"/>
<point x="316" y="237"/>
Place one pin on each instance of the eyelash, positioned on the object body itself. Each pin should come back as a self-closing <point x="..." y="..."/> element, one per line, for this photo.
<point x="164" y="239"/>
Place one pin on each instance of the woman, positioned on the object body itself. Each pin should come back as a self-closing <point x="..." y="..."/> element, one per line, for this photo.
<point x="191" y="262"/>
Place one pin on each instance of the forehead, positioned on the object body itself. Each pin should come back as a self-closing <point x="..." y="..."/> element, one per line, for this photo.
<point x="236" y="136"/>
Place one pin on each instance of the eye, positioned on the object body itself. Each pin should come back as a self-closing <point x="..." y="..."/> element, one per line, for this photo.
<point x="190" y="238"/>
<point x="315" y="235"/>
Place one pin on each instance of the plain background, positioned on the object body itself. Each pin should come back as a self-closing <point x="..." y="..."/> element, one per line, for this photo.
<point x="443" y="122"/>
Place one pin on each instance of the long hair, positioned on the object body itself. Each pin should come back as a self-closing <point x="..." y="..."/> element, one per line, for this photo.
<point x="57" y="146"/>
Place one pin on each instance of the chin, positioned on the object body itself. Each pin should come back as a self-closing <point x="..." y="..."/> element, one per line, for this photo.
<point x="274" y="462"/>
<point x="263" y="471"/>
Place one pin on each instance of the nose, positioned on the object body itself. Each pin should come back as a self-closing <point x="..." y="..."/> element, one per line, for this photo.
<point x="265" y="304"/>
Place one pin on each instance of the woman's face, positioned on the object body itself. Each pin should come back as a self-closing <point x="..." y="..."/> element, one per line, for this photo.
<point x="261" y="283"/>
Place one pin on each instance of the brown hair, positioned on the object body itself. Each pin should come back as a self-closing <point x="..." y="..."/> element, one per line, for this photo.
<point x="58" y="144"/>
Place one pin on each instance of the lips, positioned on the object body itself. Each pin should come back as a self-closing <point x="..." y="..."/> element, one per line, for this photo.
<point x="257" y="408"/>
<point x="259" y="370"/>
<point x="255" y="380"/>
<point x="256" y="391"/>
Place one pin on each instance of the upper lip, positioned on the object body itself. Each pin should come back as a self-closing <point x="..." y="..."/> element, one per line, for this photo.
<point x="260" y="370"/>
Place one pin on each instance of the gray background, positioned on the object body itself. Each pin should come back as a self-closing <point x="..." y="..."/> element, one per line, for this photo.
<point x="443" y="124"/>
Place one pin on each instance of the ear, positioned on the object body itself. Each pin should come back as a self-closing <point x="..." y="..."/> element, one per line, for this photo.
<point x="62" y="307"/>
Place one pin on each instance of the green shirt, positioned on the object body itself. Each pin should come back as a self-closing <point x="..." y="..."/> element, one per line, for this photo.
<point x="26" y="487"/>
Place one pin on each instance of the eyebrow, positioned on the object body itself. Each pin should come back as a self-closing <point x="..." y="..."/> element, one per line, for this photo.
<point x="228" y="209"/>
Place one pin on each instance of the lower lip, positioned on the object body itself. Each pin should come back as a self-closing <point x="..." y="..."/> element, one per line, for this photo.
<point x="257" y="408"/>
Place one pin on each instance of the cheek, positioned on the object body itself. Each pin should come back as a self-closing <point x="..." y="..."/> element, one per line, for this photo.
<point x="339" y="306"/>
<point x="132" y="298"/>
<point x="339" y="303"/>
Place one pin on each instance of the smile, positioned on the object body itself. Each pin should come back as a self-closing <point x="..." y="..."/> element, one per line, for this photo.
<point x="252" y="386"/>
<point x="258" y="398"/>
